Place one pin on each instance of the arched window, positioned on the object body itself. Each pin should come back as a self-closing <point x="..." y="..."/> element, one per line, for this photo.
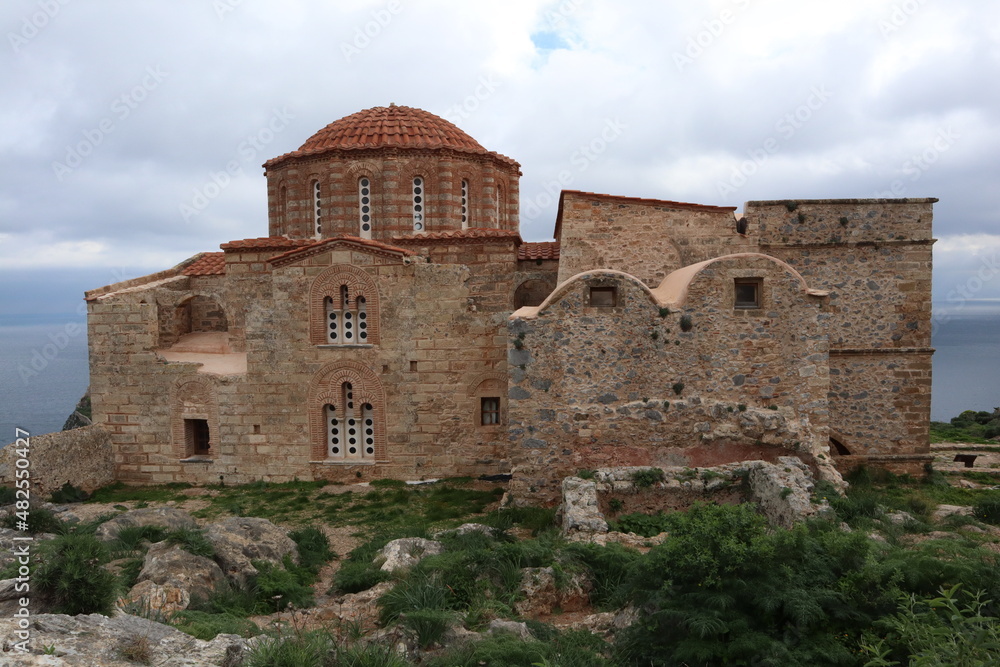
<point x="344" y="307"/>
<point x="350" y="431"/>
<point x="317" y="209"/>
<point x="347" y="403"/>
<point x="465" y="204"/>
<point x="282" y="211"/>
<point x="419" y="204"/>
<point x="365" y="212"/>
<point x="347" y="318"/>
<point x="499" y="207"/>
<point x="489" y="400"/>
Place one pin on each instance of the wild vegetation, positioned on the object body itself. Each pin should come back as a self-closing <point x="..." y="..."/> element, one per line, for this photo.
<point x="876" y="582"/>
<point x="974" y="427"/>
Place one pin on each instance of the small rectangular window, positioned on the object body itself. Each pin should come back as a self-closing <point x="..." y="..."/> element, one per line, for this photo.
<point x="603" y="297"/>
<point x="196" y="437"/>
<point x="747" y="292"/>
<point x="489" y="410"/>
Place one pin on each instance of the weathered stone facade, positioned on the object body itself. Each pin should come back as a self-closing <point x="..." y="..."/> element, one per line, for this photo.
<point x="367" y="336"/>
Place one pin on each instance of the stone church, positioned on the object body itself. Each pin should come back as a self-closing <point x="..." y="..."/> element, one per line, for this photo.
<point x="393" y="323"/>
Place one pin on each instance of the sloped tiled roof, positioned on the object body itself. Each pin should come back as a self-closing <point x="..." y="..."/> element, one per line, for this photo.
<point x="458" y="235"/>
<point x="267" y="243"/>
<point x="540" y="250"/>
<point x="321" y="245"/>
<point x="388" y="127"/>
<point x="209" y="264"/>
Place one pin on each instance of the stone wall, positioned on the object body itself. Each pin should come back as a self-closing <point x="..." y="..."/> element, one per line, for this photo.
<point x="629" y="385"/>
<point x="441" y="348"/>
<point x="874" y="256"/>
<point x="644" y="237"/>
<point x="83" y="457"/>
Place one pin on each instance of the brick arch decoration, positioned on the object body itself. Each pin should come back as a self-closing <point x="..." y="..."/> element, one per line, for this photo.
<point x="327" y="284"/>
<point x="489" y="383"/>
<point x="325" y="388"/>
<point x="193" y="398"/>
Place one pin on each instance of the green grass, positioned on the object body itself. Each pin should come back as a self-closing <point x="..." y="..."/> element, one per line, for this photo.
<point x="120" y="493"/>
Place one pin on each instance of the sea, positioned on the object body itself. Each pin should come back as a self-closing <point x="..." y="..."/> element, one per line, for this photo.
<point x="43" y="367"/>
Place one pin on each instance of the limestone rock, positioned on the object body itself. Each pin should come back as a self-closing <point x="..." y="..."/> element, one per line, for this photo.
<point x="359" y="609"/>
<point x="607" y="623"/>
<point x="239" y="540"/>
<point x="169" y="518"/>
<point x="944" y="511"/>
<point x="784" y="491"/>
<point x="90" y="640"/>
<point x="580" y="511"/>
<point x="465" y="529"/>
<point x="170" y="577"/>
<point x="520" y="630"/>
<point x="542" y="594"/>
<point x="404" y="553"/>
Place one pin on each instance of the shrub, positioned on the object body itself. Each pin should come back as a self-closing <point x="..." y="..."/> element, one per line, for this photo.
<point x="678" y="388"/>
<point x="301" y="649"/>
<point x="428" y="625"/>
<point x="68" y="493"/>
<point x="646" y="525"/>
<point x="71" y="576"/>
<point x="611" y="569"/>
<point x="419" y="591"/>
<point x="131" y="538"/>
<point x="647" y="477"/>
<point x="585" y="474"/>
<point x="686" y="323"/>
<point x="314" y="548"/>
<point x="192" y="540"/>
<point x="206" y="626"/>
<point x="388" y="484"/>
<point x="135" y="648"/>
<point x="281" y="587"/>
<point x="357" y="577"/>
<point x="39" y="520"/>
<point x="370" y="655"/>
<point x="8" y="495"/>
<point x="988" y="510"/>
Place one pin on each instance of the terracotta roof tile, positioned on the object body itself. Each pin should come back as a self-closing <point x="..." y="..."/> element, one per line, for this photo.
<point x="208" y="264"/>
<point x="472" y="234"/>
<point x="389" y="127"/>
<point x="267" y="243"/>
<point x="542" y="250"/>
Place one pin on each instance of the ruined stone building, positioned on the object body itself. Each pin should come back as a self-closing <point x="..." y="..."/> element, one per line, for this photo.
<point x="393" y="323"/>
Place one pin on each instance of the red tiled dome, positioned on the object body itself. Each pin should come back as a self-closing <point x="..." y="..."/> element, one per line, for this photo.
<point x="392" y="126"/>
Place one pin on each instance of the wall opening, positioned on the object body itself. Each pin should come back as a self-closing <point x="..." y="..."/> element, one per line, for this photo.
<point x="197" y="438"/>
<point x="747" y="292"/>
<point x="489" y="410"/>
<point x="603" y="297"/>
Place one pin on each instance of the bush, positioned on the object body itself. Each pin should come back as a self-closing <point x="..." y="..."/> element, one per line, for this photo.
<point x="70" y="575"/>
<point x="8" y="495"/>
<point x="988" y="510"/>
<point x="647" y="477"/>
<point x="647" y="525"/>
<point x="39" y="520"/>
<point x="357" y="577"/>
<point x="131" y="538"/>
<point x="68" y="493"/>
<point x="314" y="548"/>
<point x="279" y="588"/>
<point x="206" y="626"/>
<point x="192" y="540"/>
<point x="427" y="625"/>
<point x="301" y="649"/>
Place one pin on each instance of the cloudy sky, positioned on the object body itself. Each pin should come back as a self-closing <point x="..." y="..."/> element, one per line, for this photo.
<point x="133" y="132"/>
